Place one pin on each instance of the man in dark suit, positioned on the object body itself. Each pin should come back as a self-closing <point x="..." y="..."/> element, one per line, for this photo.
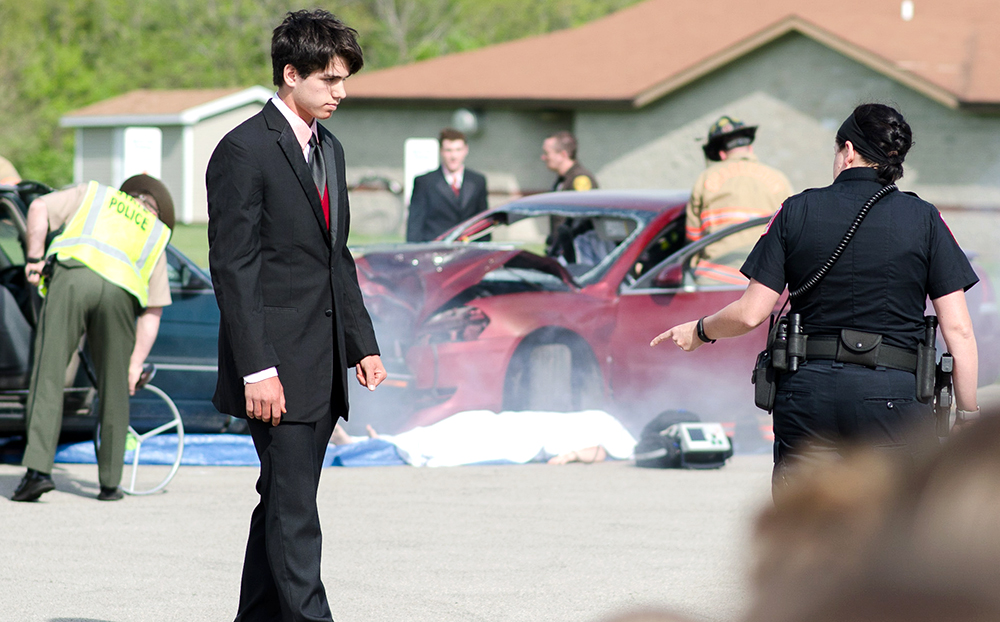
<point x="447" y="196"/>
<point x="292" y="315"/>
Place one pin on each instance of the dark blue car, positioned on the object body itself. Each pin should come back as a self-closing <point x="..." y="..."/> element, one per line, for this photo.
<point x="184" y="353"/>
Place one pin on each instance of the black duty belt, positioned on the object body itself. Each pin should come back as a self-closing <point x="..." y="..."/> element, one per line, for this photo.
<point x="861" y="349"/>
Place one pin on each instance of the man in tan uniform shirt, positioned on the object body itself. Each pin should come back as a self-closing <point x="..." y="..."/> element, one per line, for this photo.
<point x="735" y="189"/>
<point x="120" y="334"/>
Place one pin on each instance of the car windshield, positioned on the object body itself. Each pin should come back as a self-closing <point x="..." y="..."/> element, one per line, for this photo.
<point x="585" y="242"/>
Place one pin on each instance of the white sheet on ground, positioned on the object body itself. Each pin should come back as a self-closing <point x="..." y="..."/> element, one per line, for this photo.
<point x="483" y="436"/>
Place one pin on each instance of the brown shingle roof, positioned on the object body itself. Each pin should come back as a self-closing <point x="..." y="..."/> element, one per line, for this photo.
<point x="949" y="50"/>
<point x="153" y="102"/>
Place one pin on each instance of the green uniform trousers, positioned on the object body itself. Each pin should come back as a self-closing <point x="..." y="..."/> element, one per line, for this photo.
<point x="80" y="301"/>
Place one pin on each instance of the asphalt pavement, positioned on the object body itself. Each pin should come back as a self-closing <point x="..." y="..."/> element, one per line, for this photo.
<point x="574" y="543"/>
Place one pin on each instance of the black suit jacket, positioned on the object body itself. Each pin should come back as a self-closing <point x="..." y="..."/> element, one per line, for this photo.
<point x="286" y="286"/>
<point x="434" y="208"/>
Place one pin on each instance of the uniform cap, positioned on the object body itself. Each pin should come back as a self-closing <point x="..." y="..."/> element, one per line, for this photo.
<point x="144" y="184"/>
<point x="727" y="133"/>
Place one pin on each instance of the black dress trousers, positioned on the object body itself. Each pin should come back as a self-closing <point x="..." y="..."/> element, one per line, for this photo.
<point x="281" y="571"/>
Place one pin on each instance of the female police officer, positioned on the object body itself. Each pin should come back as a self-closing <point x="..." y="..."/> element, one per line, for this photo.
<point x="902" y="253"/>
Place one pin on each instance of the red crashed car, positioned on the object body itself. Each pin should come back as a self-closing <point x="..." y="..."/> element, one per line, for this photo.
<point x="486" y="319"/>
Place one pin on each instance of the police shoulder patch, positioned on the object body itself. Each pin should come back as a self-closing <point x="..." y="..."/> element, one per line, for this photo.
<point x="582" y="182"/>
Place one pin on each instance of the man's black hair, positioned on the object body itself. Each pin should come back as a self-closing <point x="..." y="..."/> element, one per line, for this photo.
<point x="309" y="40"/>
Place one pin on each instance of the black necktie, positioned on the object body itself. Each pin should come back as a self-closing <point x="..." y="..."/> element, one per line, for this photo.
<point x="317" y="165"/>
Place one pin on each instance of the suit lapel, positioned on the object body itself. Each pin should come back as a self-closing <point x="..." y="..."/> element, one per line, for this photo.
<point x="444" y="189"/>
<point x="465" y="192"/>
<point x="293" y="153"/>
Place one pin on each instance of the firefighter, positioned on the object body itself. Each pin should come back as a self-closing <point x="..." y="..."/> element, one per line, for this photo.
<point x="734" y="188"/>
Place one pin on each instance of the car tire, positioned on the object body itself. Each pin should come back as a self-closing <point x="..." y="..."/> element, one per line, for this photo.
<point x="553" y="371"/>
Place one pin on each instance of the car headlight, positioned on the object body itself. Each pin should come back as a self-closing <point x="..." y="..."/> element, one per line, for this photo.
<point x="457" y="324"/>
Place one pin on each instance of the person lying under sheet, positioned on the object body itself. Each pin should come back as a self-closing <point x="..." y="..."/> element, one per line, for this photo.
<point x="479" y="436"/>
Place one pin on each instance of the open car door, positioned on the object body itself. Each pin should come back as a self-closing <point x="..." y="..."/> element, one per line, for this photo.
<point x="19" y="307"/>
<point x="714" y="381"/>
<point x="18" y="310"/>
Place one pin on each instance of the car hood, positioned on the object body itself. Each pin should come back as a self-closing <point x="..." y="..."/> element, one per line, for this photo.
<point x="423" y="277"/>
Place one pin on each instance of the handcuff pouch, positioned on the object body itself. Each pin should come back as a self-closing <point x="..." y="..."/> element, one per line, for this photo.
<point x="858" y="347"/>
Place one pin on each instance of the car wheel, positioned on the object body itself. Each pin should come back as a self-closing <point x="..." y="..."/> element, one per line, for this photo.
<point x="553" y="371"/>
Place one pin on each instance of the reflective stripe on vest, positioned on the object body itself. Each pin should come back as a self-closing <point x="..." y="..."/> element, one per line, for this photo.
<point x="713" y="220"/>
<point x="718" y="272"/>
<point x="114" y="235"/>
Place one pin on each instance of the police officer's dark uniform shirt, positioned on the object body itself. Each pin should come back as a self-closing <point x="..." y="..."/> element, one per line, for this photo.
<point x="576" y="178"/>
<point x="902" y="252"/>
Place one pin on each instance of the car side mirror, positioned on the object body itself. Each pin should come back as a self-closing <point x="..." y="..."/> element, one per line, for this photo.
<point x="671" y="276"/>
<point x="190" y="280"/>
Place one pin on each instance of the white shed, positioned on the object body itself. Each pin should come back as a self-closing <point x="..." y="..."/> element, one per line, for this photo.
<point x="169" y="134"/>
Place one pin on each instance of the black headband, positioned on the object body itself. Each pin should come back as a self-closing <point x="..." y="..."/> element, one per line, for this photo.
<point x="851" y="131"/>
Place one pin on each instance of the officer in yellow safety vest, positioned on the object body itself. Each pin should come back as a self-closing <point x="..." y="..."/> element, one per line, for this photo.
<point x="108" y="281"/>
<point x="735" y="187"/>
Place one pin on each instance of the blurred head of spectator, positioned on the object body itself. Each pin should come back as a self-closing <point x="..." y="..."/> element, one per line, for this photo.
<point x="876" y="536"/>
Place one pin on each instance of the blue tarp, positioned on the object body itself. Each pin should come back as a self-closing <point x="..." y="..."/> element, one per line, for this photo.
<point x="232" y="450"/>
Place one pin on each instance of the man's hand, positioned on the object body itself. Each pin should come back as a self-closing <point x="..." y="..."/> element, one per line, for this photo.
<point x="33" y="272"/>
<point x="265" y="400"/>
<point x="134" y="373"/>
<point x="371" y="373"/>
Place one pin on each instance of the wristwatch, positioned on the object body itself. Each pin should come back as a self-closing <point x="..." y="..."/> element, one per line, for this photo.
<point x="33" y="259"/>
<point x="701" y="332"/>
<point x="962" y="416"/>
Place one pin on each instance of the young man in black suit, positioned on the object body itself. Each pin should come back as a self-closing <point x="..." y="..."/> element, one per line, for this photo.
<point x="292" y="315"/>
<point x="447" y="196"/>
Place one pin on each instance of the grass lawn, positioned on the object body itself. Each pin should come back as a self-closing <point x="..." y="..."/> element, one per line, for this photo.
<point x="192" y="240"/>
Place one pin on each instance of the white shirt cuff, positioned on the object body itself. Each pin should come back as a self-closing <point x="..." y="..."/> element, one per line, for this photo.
<point x="270" y="372"/>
